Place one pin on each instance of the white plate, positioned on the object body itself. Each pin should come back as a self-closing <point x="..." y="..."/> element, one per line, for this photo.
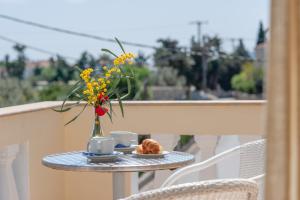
<point x="126" y="150"/>
<point x="102" y="158"/>
<point x="161" y="155"/>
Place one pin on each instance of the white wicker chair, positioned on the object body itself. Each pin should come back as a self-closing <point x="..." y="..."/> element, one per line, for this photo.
<point x="226" y="189"/>
<point x="260" y="180"/>
<point x="252" y="162"/>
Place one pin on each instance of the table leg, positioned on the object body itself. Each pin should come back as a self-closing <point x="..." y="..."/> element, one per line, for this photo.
<point x="118" y="185"/>
<point x="124" y="184"/>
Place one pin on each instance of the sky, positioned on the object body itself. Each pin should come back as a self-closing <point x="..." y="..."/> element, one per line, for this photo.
<point x="140" y="21"/>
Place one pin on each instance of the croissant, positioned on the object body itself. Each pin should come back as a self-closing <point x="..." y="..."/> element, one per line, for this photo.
<point x="139" y="149"/>
<point x="151" y="146"/>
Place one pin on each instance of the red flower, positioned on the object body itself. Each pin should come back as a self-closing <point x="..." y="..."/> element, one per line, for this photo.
<point x="102" y="98"/>
<point x="101" y="110"/>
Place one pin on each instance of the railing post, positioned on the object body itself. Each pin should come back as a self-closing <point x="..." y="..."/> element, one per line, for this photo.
<point x="207" y="145"/>
<point x="8" y="189"/>
<point x="228" y="168"/>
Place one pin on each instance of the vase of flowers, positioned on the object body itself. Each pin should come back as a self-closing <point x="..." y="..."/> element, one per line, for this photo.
<point x="99" y="86"/>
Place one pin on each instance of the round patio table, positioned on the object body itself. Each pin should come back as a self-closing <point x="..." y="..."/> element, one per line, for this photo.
<point x="76" y="161"/>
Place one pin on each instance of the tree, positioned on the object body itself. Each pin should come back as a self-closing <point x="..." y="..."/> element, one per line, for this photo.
<point x="64" y="71"/>
<point x="167" y="76"/>
<point x="241" y="51"/>
<point x="231" y="64"/>
<point x="2" y="69"/>
<point x="59" y="70"/>
<point x="139" y="90"/>
<point x="249" y="80"/>
<point x="53" y="91"/>
<point x="37" y="71"/>
<point x="48" y="74"/>
<point x="14" y="92"/>
<point x="206" y="66"/>
<point x="16" y="68"/>
<point x="170" y="55"/>
<point x="261" y="35"/>
<point x="85" y="60"/>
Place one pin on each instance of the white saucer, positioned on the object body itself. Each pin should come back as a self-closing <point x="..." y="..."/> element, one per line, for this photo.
<point x="126" y="150"/>
<point x="102" y="158"/>
<point x="161" y="155"/>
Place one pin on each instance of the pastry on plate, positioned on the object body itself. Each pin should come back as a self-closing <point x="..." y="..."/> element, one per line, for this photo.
<point x="139" y="149"/>
<point x="149" y="146"/>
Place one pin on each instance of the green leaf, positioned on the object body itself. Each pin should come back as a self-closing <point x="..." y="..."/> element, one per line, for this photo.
<point x="110" y="117"/>
<point x="120" y="44"/>
<point x="73" y="90"/>
<point x="120" y="104"/>
<point x="132" y="72"/>
<point x="110" y="52"/>
<point x="78" y="95"/>
<point x="76" y="115"/>
<point x="61" y="110"/>
<point x="113" y="86"/>
<point x="110" y="109"/>
<point x="128" y="87"/>
<point x="69" y="107"/>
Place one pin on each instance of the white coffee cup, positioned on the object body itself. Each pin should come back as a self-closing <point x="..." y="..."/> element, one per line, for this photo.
<point x="101" y="145"/>
<point x="124" y="138"/>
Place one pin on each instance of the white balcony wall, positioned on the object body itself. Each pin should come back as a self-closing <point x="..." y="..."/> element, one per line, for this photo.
<point x="44" y="133"/>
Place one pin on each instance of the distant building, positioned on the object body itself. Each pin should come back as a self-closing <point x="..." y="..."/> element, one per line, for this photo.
<point x="261" y="55"/>
<point x="32" y="65"/>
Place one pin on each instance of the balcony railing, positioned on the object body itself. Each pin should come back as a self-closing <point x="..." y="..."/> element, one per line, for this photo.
<point x="29" y="132"/>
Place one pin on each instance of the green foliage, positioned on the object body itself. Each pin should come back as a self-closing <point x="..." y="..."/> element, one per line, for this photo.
<point x="48" y="74"/>
<point x="139" y="83"/>
<point x="204" y="57"/>
<point x="63" y="70"/>
<point x="37" y="71"/>
<point x="167" y="76"/>
<point x="86" y="59"/>
<point x="241" y="51"/>
<point x="221" y="67"/>
<point x="261" y="35"/>
<point x="184" y="139"/>
<point x="15" y="92"/>
<point x="172" y="56"/>
<point x="229" y="66"/>
<point x="16" y="68"/>
<point x="249" y="80"/>
<point x="58" y="70"/>
<point x="176" y="66"/>
<point x="53" y="91"/>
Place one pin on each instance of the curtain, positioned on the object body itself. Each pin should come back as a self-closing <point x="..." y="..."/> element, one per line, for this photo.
<point x="283" y="94"/>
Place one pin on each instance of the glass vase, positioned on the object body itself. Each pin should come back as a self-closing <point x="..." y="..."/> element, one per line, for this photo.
<point x="97" y="129"/>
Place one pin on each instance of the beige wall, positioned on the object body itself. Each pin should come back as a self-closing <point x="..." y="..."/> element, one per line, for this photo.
<point x="44" y="130"/>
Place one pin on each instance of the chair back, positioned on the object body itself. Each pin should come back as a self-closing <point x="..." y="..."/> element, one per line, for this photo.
<point x="251" y="156"/>
<point x="252" y="159"/>
<point x="226" y="189"/>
